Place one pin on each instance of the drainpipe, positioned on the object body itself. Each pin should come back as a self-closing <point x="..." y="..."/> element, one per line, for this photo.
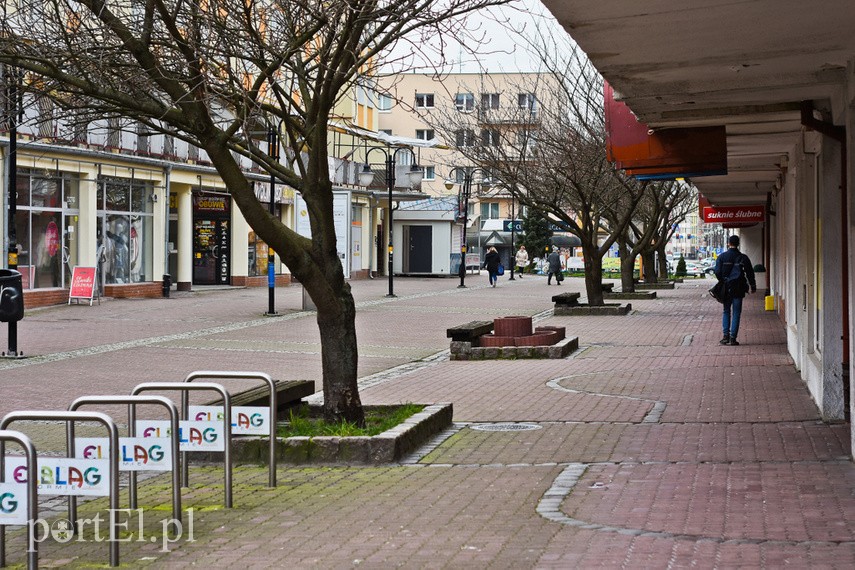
<point x="372" y="204"/>
<point x="838" y="134"/>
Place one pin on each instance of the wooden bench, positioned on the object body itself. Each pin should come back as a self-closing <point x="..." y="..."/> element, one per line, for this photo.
<point x="470" y="331"/>
<point x="289" y="393"/>
<point x="566" y="299"/>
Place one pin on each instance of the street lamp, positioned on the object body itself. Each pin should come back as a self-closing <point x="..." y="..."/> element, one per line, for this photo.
<point x="273" y="152"/>
<point x="463" y="203"/>
<point x="513" y="232"/>
<point x="366" y="177"/>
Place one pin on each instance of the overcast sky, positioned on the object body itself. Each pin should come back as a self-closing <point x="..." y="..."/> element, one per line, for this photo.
<point x="498" y="40"/>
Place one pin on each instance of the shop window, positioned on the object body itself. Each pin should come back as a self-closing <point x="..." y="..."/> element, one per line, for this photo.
<point x="258" y="252"/>
<point x="46" y="228"/>
<point x="125" y="230"/>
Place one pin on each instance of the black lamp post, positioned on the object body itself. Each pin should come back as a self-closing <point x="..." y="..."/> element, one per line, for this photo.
<point x="463" y="201"/>
<point x="513" y="232"/>
<point x="366" y="177"/>
<point x="273" y="151"/>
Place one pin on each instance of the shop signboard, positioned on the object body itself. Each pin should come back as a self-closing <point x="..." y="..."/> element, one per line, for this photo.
<point x="341" y="222"/>
<point x="135" y="453"/>
<point x="748" y="214"/>
<point x="63" y="475"/>
<point x="82" y="284"/>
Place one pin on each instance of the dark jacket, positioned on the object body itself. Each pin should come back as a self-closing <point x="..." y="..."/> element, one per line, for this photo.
<point x="492" y="261"/>
<point x="724" y="264"/>
<point x="554" y="260"/>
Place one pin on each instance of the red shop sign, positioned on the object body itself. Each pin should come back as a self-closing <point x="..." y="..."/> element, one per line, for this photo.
<point x="734" y="214"/>
<point x="82" y="284"/>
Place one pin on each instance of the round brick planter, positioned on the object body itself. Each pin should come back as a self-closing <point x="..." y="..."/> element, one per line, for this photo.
<point x="561" y="331"/>
<point x="512" y="326"/>
<point x="546" y="338"/>
<point x="494" y="340"/>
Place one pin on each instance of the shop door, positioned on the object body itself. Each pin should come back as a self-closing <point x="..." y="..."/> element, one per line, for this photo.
<point x="420" y="249"/>
<point x="211" y="246"/>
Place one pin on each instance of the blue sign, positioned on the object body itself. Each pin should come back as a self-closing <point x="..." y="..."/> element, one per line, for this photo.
<point x="506" y="225"/>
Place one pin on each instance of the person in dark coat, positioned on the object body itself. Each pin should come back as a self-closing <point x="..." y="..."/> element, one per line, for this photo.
<point x="554" y="260"/>
<point x="491" y="264"/>
<point x="732" y="306"/>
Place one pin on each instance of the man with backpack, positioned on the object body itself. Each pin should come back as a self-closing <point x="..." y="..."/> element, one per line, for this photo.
<point x="735" y="269"/>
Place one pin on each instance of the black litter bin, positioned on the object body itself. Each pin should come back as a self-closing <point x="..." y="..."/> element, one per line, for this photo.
<point x="11" y="296"/>
<point x="167" y="284"/>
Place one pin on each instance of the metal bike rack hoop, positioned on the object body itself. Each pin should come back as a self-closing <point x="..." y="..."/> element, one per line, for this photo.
<point x="32" y="496"/>
<point x="226" y="375"/>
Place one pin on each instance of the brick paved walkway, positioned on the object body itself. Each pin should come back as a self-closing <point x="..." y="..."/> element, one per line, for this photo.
<point x="652" y="446"/>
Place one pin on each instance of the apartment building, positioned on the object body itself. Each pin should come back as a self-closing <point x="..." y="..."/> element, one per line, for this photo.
<point x="460" y="110"/>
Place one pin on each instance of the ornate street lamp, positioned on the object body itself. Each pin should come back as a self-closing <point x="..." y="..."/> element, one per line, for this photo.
<point x="463" y="196"/>
<point x="366" y="177"/>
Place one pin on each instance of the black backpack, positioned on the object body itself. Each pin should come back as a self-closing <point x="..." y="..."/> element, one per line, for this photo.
<point x="736" y="282"/>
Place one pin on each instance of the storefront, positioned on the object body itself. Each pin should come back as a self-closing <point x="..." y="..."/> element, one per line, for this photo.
<point x="125" y="230"/>
<point x="211" y="239"/>
<point x="46" y="224"/>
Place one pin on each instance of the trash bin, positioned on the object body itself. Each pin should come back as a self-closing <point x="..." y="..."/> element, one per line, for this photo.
<point x="167" y="284"/>
<point x="11" y="296"/>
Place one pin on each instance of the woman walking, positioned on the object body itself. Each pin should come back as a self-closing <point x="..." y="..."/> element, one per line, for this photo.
<point x="521" y="260"/>
<point x="491" y="264"/>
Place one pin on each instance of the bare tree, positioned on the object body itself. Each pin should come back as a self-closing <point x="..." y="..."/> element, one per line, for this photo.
<point x="548" y="150"/>
<point x="665" y="204"/>
<point x="211" y="73"/>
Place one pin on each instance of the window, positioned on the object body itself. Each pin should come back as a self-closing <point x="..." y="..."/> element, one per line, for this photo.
<point x="464" y="101"/>
<point x="424" y="100"/>
<point x="489" y="137"/>
<point x="464" y="137"/>
<point x="384" y="102"/>
<point x="386" y="131"/>
<point x="527" y="101"/>
<point x="425" y="134"/>
<point x="429" y="173"/>
<point x="489" y="100"/>
<point x="489" y="210"/>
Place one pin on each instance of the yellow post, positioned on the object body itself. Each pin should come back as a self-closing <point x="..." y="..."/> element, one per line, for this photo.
<point x="770" y="302"/>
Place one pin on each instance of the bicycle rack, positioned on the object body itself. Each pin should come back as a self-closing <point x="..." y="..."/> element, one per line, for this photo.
<point x="32" y="496"/>
<point x="108" y="423"/>
<point x="226" y="375"/>
<point x="132" y="402"/>
<point x="227" y="426"/>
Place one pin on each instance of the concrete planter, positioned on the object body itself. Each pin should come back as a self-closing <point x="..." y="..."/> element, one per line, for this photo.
<point x="587" y="310"/>
<point x="387" y="447"/>
<point x="637" y="295"/>
<point x="562" y="349"/>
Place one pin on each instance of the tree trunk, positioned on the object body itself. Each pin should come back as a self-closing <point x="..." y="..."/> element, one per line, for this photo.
<point x="627" y="274"/>
<point x="594" y="276"/>
<point x="648" y="260"/>
<point x="339" y="358"/>
<point x="627" y="268"/>
<point x="663" y="263"/>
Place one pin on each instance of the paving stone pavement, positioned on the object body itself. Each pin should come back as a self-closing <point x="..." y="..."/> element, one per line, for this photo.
<point x="652" y="446"/>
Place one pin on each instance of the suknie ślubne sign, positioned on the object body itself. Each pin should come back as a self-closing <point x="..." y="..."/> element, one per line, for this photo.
<point x="734" y="214"/>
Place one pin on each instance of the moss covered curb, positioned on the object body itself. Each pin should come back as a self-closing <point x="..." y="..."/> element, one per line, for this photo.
<point x="387" y="447"/>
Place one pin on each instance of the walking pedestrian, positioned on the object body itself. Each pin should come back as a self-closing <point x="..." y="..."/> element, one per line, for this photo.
<point x="735" y="269"/>
<point x="491" y="264"/>
<point x="554" y="261"/>
<point x="521" y="260"/>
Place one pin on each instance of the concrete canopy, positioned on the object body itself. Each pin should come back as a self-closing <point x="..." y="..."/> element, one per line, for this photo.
<point x="746" y="65"/>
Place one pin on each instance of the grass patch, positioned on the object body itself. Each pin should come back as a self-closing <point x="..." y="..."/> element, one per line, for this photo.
<point x="303" y="422"/>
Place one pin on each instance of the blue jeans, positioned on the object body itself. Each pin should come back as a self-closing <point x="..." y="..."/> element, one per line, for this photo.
<point x="730" y="324"/>
<point x="494" y="277"/>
